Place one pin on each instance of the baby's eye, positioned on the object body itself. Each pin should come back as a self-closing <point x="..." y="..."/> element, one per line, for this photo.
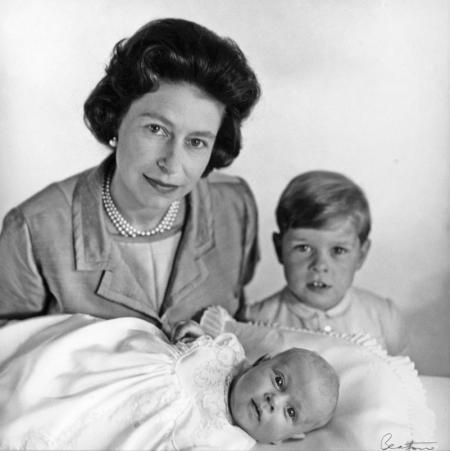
<point x="197" y="143"/>
<point x="279" y="381"/>
<point x="338" y="250"/>
<point x="291" y="413"/>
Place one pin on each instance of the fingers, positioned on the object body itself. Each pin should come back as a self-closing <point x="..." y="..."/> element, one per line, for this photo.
<point x="186" y="331"/>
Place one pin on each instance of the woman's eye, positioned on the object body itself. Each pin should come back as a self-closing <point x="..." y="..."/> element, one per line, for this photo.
<point x="156" y="129"/>
<point x="197" y="143"/>
<point x="291" y="413"/>
<point x="279" y="381"/>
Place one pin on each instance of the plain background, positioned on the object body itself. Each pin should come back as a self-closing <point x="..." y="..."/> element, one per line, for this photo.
<point x="357" y="86"/>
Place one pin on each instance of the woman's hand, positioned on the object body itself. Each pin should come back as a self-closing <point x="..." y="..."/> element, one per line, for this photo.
<point x="186" y="331"/>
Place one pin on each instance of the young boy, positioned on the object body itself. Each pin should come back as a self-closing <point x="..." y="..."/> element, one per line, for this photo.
<point x="324" y="223"/>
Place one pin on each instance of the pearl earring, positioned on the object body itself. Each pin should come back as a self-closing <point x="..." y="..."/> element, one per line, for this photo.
<point x="113" y="142"/>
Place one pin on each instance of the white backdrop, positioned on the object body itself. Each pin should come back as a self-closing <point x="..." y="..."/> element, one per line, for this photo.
<point x="357" y="86"/>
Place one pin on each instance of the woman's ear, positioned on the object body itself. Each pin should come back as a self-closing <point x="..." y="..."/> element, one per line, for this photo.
<point x="277" y="242"/>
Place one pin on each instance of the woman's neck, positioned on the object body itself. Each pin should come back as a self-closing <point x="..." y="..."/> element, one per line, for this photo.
<point x="139" y="216"/>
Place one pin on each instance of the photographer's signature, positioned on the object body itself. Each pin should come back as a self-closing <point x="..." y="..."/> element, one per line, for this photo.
<point x="386" y="444"/>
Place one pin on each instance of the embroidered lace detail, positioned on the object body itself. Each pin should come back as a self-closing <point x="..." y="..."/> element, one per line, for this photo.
<point x="211" y="379"/>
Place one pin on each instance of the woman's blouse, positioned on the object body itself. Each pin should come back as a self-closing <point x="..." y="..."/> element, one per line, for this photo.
<point x="150" y="259"/>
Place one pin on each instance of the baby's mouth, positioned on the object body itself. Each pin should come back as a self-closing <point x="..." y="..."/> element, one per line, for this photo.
<point x="258" y="412"/>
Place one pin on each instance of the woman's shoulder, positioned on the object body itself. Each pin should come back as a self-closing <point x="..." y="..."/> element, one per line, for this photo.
<point x="53" y="197"/>
<point x="218" y="180"/>
<point x="228" y="188"/>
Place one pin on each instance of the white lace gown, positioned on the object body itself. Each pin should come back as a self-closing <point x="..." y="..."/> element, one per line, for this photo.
<point x="77" y="382"/>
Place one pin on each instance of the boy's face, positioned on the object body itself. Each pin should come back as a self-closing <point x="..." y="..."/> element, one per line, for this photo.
<point x="320" y="264"/>
<point x="277" y="398"/>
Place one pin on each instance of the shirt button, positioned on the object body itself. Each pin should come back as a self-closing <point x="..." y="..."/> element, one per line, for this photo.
<point x="327" y="328"/>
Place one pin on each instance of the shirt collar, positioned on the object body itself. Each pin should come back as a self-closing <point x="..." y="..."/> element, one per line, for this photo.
<point x="306" y="311"/>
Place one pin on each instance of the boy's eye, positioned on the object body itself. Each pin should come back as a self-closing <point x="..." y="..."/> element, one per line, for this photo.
<point x="338" y="250"/>
<point x="303" y="247"/>
<point x="291" y="413"/>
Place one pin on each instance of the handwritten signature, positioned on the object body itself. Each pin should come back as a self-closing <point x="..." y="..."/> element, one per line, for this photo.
<point x="410" y="445"/>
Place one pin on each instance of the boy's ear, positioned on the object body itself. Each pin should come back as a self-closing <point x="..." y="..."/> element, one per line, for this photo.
<point x="276" y="237"/>
<point x="363" y="252"/>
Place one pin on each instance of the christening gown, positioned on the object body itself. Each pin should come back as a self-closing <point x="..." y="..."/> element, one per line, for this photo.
<point x="78" y="382"/>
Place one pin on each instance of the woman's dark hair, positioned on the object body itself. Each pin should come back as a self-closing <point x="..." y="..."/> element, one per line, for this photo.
<point x="313" y="199"/>
<point x="176" y="50"/>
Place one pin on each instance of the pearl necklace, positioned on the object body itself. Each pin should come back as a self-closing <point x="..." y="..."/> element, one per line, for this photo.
<point x="123" y="226"/>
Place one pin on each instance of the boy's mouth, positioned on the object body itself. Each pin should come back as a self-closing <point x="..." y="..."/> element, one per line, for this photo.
<point x="318" y="285"/>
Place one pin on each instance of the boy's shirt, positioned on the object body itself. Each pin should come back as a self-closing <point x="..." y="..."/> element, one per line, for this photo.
<point x="360" y="311"/>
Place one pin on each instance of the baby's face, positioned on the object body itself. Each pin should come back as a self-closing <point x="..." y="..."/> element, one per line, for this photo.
<point x="320" y="264"/>
<point x="278" y="398"/>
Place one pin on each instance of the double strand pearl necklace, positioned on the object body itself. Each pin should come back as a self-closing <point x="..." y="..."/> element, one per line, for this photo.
<point x="123" y="226"/>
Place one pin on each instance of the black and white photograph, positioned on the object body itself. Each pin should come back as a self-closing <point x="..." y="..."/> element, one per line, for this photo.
<point x="224" y="225"/>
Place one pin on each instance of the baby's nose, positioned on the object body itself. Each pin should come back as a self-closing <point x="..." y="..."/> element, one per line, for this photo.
<point x="269" y="402"/>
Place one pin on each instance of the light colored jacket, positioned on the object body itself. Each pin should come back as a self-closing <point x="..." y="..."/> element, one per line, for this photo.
<point x="56" y="255"/>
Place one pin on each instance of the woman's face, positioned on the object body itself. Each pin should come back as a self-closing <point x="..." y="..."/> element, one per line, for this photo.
<point x="164" y="144"/>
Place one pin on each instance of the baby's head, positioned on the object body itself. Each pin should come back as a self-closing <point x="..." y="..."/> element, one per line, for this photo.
<point x="324" y="224"/>
<point x="284" y="396"/>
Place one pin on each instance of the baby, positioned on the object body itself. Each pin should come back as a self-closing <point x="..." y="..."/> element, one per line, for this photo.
<point x="323" y="239"/>
<point x="284" y="396"/>
<point x="79" y="382"/>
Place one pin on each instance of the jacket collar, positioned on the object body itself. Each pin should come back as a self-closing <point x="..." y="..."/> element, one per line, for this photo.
<point x="305" y="311"/>
<point x="91" y="239"/>
<point x="189" y="270"/>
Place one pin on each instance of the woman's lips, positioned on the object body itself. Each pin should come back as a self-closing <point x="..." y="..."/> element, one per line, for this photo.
<point x="160" y="186"/>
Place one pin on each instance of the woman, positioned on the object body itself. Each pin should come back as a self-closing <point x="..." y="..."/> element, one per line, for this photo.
<point x="145" y="234"/>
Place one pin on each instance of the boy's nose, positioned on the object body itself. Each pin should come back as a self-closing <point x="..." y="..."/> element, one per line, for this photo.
<point x="319" y="263"/>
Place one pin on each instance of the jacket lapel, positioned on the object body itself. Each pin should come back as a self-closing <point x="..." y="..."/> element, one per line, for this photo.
<point x="94" y="248"/>
<point x="189" y="270"/>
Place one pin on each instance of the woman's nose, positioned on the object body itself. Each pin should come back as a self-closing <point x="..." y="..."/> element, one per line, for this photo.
<point x="169" y="161"/>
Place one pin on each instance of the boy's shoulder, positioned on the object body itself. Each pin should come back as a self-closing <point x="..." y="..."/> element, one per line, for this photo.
<point x="268" y="308"/>
<point x="371" y="300"/>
